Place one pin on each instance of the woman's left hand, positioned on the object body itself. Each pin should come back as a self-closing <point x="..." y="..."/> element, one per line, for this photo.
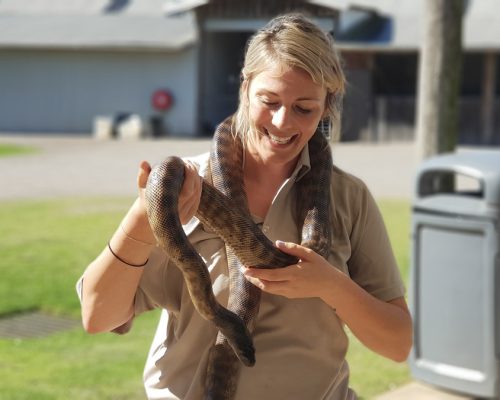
<point x="383" y="326"/>
<point x="310" y="277"/>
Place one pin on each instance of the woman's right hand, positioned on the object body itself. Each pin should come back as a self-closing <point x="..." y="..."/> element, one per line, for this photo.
<point x="189" y="197"/>
<point x="136" y="223"/>
<point x="109" y="287"/>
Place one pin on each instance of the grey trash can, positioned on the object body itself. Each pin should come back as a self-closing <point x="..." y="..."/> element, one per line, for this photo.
<point x="455" y="273"/>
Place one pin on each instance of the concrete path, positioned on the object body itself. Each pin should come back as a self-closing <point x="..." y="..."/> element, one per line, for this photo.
<point x="78" y="166"/>
<point x="420" y="391"/>
<point x="81" y="166"/>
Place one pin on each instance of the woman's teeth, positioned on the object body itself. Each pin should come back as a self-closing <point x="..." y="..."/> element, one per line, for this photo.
<point x="280" y="140"/>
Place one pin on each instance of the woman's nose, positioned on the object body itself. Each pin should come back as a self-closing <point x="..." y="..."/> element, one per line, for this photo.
<point x="282" y="118"/>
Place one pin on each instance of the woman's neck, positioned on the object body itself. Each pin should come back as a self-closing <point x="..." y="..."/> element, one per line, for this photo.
<point x="256" y="169"/>
<point x="262" y="182"/>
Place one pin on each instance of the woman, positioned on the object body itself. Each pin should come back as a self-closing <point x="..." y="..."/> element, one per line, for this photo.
<point x="291" y="82"/>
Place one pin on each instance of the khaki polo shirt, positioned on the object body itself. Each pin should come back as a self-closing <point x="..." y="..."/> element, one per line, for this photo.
<point x="300" y="343"/>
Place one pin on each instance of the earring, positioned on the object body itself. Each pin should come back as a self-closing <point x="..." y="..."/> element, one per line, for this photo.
<point x="324" y="127"/>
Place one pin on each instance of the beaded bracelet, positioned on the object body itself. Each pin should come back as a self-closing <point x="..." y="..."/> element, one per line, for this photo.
<point x="123" y="261"/>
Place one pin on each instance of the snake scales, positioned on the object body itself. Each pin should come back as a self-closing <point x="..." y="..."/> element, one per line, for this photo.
<point x="223" y="209"/>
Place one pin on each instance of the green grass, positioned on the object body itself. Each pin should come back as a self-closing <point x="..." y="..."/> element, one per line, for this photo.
<point x="45" y="247"/>
<point x="75" y="365"/>
<point x="14" y="149"/>
<point x="370" y="373"/>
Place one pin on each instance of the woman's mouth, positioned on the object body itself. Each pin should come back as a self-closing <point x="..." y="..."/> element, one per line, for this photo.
<point x="280" y="140"/>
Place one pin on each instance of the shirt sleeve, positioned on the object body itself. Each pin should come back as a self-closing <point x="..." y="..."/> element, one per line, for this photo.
<point x="372" y="264"/>
<point x="160" y="285"/>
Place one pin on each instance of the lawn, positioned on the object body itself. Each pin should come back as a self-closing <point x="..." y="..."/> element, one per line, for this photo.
<point x="370" y="373"/>
<point x="46" y="245"/>
<point x="13" y="149"/>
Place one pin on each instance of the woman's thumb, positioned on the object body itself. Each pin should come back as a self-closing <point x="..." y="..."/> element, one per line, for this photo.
<point x="292" y="248"/>
<point x="143" y="174"/>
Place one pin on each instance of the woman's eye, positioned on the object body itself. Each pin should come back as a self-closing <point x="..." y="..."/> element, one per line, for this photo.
<point x="302" y="110"/>
<point x="269" y="103"/>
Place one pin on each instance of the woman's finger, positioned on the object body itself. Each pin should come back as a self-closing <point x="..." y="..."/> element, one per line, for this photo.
<point x="189" y="197"/>
<point x="143" y="174"/>
<point x="272" y="275"/>
<point x="294" y="249"/>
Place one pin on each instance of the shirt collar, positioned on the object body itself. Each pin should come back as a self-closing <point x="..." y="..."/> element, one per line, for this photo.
<point x="303" y="164"/>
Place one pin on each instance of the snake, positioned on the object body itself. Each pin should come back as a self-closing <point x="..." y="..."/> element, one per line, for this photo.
<point x="224" y="210"/>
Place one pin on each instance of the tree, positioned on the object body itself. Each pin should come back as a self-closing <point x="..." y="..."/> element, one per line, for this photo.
<point x="439" y="77"/>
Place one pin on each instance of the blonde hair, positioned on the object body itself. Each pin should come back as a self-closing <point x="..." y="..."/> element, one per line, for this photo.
<point x="292" y="40"/>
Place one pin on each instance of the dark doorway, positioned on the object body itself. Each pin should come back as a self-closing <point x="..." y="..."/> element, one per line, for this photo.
<point x="222" y="59"/>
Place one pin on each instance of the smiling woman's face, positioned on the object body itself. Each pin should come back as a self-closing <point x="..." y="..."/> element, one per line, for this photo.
<point x="285" y="107"/>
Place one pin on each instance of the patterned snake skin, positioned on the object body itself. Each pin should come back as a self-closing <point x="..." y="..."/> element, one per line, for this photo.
<point x="224" y="210"/>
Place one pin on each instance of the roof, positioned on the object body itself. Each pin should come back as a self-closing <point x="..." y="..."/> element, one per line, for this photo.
<point x="379" y="25"/>
<point x="401" y="25"/>
<point x="481" y="24"/>
<point x="97" y="24"/>
<point x="82" y="7"/>
<point x="173" y="6"/>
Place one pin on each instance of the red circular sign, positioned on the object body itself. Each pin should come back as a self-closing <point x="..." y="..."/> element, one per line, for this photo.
<point x="162" y="100"/>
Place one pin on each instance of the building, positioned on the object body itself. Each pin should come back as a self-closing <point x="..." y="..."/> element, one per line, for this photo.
<point x="62" y="64"/>
<point x="385" y="72"/>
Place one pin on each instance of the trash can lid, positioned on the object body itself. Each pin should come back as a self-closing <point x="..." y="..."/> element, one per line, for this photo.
<point x="482" y="165"/>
